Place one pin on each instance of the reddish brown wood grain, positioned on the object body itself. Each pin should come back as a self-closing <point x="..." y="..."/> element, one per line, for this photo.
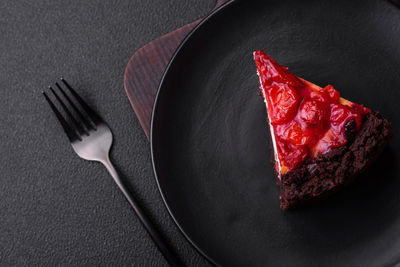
<point x="146" y="67"/>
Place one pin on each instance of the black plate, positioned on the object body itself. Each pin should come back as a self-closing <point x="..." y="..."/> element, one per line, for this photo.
<point x="210" y="138"/>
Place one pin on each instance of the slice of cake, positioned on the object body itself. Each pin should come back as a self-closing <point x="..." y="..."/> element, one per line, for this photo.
<point x="321" y="141"/>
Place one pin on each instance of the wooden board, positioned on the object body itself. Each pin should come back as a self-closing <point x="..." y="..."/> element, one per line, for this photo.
<point x="146" y="67"/>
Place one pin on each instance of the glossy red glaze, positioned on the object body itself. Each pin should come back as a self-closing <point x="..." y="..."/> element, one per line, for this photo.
<point x="306" y="119"/>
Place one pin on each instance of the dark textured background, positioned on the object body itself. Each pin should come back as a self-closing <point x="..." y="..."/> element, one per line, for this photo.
<point x="56" y="209"/>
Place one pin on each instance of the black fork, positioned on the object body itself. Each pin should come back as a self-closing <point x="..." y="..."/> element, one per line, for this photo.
<point x="91" y="139"/>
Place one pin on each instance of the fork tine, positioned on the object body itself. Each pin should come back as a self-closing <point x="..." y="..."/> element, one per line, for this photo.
<point x="78" y="125"/>
<point x="93" y="116"/>
<point x="86" y="123"/>
<point x="71" y="133"/>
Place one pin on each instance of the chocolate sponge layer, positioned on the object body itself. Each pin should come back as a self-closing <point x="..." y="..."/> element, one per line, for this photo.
<point x="337" y="168"/>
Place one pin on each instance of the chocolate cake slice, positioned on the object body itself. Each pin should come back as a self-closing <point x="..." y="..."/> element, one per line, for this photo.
<point x="321" y="141"/>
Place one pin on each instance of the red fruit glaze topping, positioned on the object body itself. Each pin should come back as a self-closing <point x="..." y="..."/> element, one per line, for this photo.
<point x="284" y="102"/>
<point x="306" y="119"/>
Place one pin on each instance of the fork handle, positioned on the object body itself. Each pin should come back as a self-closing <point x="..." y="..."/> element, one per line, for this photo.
<point x="162" y="245"/>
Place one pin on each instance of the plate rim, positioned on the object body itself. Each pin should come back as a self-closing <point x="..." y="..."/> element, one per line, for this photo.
<point x="170" y="63"/>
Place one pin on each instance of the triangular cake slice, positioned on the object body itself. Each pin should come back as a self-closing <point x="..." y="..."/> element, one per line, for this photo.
<point x="321" y="141"/>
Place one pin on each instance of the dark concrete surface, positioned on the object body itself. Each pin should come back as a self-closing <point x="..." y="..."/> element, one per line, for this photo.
<point x="55" y="208"/>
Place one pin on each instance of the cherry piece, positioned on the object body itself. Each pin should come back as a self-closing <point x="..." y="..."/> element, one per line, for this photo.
<point x="312" y="111"/>
<point x="284" y="102"/>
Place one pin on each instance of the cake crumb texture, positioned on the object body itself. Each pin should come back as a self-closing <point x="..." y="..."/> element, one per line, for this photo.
<point x="338" y="167"/>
